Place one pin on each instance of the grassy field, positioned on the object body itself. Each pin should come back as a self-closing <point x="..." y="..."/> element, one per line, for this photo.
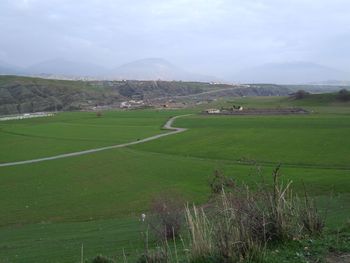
<point x="75" y="131"/>
<point x="291" y="140"/>
<point x="49" y="209"/>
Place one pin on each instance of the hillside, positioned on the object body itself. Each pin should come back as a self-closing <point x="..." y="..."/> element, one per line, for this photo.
<point x="23" y="94"/>
<point x="19" y="95"/>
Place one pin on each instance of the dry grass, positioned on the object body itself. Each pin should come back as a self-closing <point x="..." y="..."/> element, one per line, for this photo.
<point x="240" y="224"/>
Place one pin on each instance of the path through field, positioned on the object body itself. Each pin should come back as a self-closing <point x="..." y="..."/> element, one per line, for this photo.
<point x="167" y="125"/>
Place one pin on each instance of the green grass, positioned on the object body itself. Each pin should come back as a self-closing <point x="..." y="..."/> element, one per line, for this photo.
<point x="316" y="103"/>
<point x="311" y="249"/>
<point x="62" y="242"/>
<point x="69" y="132"/>
<point x="48" y="209"/>
<point x="313" y="140"/>
<point x="121" y="182"/>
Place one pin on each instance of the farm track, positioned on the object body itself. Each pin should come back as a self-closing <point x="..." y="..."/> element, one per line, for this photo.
<point x="167" y="126"/>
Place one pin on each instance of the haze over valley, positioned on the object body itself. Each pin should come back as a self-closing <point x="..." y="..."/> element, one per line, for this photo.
<point x="161" y="69"/>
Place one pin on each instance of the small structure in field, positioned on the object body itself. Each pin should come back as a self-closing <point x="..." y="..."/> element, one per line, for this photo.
<point x="26" y="116"/>
<point x="132" y="104"/>
<point x="239" y="110"/>
<point x="212" y="111"/>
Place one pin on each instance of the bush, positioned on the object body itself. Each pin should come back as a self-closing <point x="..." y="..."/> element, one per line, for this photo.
<point x="311" y="219"/>
<point x="343" y="95"/>
<point x="243" y="222"/>
<point x="301" y="94"/>
<point x="220" y="182"/>
<point x="167" y="215"/>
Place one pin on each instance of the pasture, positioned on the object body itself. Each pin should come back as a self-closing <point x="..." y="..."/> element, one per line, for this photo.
<point x="49" y="209"/>
<point x="75" y="131"/>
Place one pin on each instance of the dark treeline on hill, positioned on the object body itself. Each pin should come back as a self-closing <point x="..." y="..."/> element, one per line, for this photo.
<point x="25" y="95"/>
<point x="341" y="96"/>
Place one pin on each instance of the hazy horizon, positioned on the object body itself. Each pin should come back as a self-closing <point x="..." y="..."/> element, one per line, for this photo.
<point x="215" y="38"/>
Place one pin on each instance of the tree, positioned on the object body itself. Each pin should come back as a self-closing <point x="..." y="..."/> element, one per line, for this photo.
<point x="301" y="94"/>
<point x="343" y="95"/>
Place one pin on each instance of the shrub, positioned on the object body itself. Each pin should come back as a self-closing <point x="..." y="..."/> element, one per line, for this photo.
<point x="242" y="222"/>
<point x="343" y="95"/>
<point x="311" y="219"/>
<point x="238" y="224"/>
<point x="167" y="215"/>
<point x="220" y="182"/>
<point x="301" y="94"/>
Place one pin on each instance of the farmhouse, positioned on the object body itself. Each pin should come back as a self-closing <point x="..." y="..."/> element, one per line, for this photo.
<point x="212" y="111"/>
<point x="26" y="116"/>
<point x="125" y="104"/>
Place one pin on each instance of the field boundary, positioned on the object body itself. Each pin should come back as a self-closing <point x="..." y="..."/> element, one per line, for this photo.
<point x="167" y="126"/>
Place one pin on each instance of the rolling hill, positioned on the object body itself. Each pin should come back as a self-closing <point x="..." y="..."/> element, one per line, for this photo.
<point x="25" y="94"/>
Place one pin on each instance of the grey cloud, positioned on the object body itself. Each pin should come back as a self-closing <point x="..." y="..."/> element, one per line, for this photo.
<point x="215" y="37"/>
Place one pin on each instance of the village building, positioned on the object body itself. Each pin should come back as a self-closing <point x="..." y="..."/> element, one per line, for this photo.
<point x="212" y="111"/>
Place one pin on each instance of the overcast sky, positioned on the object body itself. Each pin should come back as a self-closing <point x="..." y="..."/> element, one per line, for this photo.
<point x="212" y="37"/>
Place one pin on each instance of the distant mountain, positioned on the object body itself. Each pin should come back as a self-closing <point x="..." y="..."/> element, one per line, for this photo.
<point x="65" y="67"/>
<point x="155" y="69"/>
<point x="7" y="69"/>
<point x="290" y="73"/>
<point x="144" y="69"/>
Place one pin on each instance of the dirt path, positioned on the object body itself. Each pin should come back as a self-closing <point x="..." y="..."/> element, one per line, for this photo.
<point x="167" y="125"/>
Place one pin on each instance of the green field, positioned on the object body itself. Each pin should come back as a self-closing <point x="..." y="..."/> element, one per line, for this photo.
<point x="69" y="132"/>
<point x="49" y="209"/>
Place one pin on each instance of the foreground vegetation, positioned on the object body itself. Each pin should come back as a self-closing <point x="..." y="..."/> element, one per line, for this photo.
<point x="49" y="209"/>
<point x="237" y="225"/>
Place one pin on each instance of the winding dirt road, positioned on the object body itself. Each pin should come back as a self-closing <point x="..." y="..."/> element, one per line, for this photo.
<point x="167" y="125"/>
